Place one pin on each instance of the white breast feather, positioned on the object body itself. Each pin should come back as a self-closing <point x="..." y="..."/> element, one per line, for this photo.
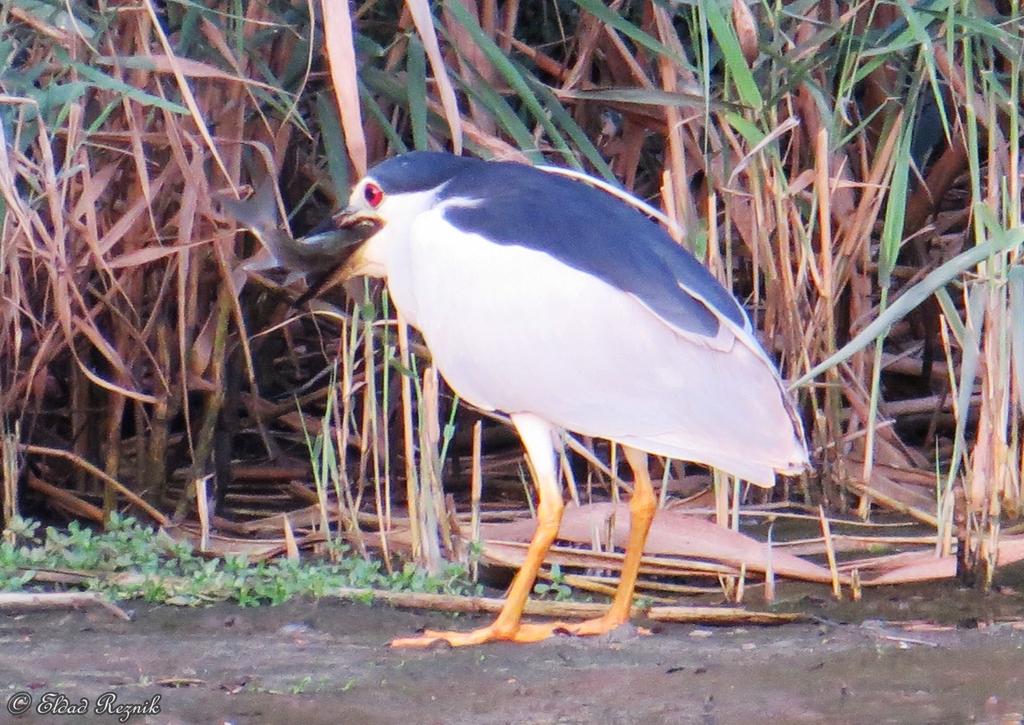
<point x="513" y="329"/>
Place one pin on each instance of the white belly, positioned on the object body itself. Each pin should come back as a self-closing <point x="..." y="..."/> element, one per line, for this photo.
<point x="512" y="329"/>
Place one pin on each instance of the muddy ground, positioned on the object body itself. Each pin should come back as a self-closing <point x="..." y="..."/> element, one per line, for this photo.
<point x="941" y="655"/>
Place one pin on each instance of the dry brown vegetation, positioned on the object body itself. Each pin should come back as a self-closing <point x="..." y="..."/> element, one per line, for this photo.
<point x="851" y="170"/>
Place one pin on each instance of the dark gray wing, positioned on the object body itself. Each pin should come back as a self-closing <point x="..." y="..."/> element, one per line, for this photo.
<point x="594" y="232"/>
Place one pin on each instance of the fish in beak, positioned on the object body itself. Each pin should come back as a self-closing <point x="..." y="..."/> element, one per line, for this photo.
<point x="322" y="255"/>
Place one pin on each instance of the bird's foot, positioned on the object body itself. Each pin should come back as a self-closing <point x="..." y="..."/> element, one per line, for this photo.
<point x="595" y="626"/>
<point x="523" y="634"/>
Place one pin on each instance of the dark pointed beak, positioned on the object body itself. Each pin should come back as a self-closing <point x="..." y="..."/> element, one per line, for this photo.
<point x="336" y="240"/>
<point x="347" y="228"/>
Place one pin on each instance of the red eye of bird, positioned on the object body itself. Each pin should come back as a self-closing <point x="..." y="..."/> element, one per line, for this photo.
<point x="373" y="194"/>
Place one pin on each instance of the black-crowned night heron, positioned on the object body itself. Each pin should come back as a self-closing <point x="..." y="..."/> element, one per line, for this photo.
<point x="566" y="308"/>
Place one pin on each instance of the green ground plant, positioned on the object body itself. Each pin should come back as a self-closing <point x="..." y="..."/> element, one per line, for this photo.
<point x="129" y="560"/>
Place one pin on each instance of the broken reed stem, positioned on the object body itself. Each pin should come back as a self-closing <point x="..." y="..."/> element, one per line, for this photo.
<point x="475" y="488"/>
<point x="9" y="469"/>
<point x="371" y="426"/>
<point x="433" y="518"/>
<point x="830" y="553"/>
<point x="92" y="470"/>
<point x="610" y="584"/>
<point x="28" y="601"/>
<point x="566" y="474"/>
<point x="290" y="546"/>
<point x="214" y="401"/>
<point x="204" y="511"/>
<point x="112" y="457"/>
<point x="722" y="616"/>
<point x="65" y="500"/>
<point x="408" y="440"/>
<point x="890" y="502"/>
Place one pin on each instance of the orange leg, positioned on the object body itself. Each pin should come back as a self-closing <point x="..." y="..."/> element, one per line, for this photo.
<point x="641" y="512"/>
<point x="507" y="626"/>
<point x="536" y="436"/>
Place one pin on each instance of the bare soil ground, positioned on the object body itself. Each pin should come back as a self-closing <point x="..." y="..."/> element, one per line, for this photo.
<point x="327" y="662"/>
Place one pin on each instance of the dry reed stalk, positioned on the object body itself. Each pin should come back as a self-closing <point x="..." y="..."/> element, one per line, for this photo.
<point x="475" y="489"/>
<point x="371" y="439"/>
<point x="419" y="548"/>
<point x="722" y="616"/>
<point x="9" y="473"/>
<point x="432" y="505"/>
<point x="830" y="554"/>
<point x="290" y="545"/>
<point x="29" y="601"/>
<point x="67" y="501"/>
<point x="132" y="497"/>
<point x="203" y="511"/>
